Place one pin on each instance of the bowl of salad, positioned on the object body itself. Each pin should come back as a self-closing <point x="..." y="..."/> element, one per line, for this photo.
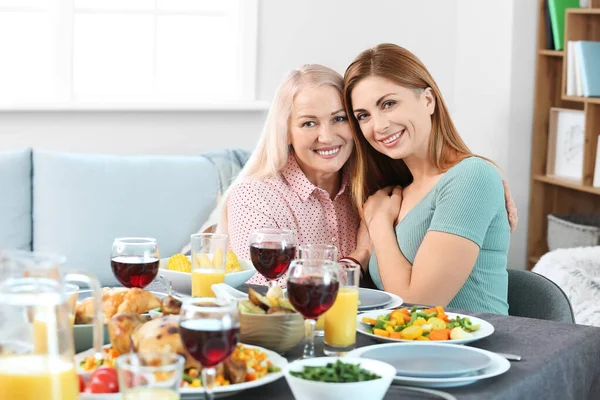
<point x="415" y="324"/>
<point x="339" y="378"/>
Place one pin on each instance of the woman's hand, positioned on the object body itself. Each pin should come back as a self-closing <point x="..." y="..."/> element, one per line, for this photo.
<point x="383" y="206"/>
<point x="511" y="208"/>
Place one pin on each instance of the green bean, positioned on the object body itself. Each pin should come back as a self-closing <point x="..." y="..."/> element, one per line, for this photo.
<point x="339" y="372"/>
<point x="273" y="368"/>
<point x="380" y="325"/>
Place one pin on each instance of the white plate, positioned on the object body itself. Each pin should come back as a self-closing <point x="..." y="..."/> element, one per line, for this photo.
<point x="485" y="328"/>
<point x="222" y="391"/>
<point x="498" y="366"/>
<point x="395" y="303"/>
<point x="182" y="281"/>
<point x="371" y="299"/>
<point x="433" y="361"/>
<point x="100" y="396"/>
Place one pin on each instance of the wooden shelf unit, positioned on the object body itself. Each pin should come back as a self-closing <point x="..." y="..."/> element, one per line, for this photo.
<point x="551" y="53"/>
<point x="551" y="194"/>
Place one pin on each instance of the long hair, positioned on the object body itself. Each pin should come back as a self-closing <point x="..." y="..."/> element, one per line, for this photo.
<point x="372" y="170"/>
<point x="272" y="151"/>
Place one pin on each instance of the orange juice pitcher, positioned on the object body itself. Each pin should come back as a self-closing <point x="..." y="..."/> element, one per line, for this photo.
<point x="36" y="334"/>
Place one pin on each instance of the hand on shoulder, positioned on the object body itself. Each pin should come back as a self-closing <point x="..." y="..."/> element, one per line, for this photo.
<point x="383" y="206"/>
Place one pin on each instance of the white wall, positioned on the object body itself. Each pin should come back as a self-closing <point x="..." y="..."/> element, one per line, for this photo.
<point x="483" y="65"/>
<point x="518" y="152"/>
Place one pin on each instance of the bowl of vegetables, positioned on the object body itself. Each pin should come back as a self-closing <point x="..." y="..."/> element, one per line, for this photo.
<point x="270" y="321"/>
<point x="410" y="324"/>
<point x="336" y="378"/>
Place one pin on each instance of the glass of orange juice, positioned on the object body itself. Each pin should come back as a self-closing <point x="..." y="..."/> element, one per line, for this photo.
<point x="150" y="376"/>
<point x="209" y="255"/>
<point x="340" y="319"/>
<point x="318" y="252"/>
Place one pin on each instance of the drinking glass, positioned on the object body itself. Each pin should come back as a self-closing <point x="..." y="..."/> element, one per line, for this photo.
<point x="210" y="331"/>
<point x="340" y="320"/>
<point x="134" y="261"/>
<point x="271" y="251"/>
<point x="150" y="375"/>
<point x="209" y="255"/>
<point x="312" y="287"/>
<point x="318" y="252"/>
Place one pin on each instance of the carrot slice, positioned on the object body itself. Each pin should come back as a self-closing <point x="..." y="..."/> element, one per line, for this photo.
<point x="439" y="334"/>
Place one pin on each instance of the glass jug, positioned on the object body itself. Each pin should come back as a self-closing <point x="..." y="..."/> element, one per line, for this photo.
<point x="36" y="332"/>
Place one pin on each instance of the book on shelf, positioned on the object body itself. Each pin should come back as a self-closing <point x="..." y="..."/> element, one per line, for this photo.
<point x="556" y="9"/>
<point x="549" y="37"/>
<point x="597" y="168"/>
<point x="583" y="68"/>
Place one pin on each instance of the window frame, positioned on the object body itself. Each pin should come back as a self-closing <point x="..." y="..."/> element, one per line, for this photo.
<point x="65" y="99"/>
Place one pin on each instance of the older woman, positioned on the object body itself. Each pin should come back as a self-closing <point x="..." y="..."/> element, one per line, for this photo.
<point x="296" y="177"/>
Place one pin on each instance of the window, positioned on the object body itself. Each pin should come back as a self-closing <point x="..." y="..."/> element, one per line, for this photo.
<point x="127" y="51"/>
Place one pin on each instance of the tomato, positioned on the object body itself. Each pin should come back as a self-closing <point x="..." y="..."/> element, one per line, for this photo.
<point x="105" y="377"/>
<point x="96" y="386"/>
<point x="81" y="383"/>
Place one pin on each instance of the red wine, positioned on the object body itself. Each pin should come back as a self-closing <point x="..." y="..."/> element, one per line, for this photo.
<point x="272" y="259"/>
<point x="208" y="344"/>
<point x="311" y="295"/>
<point x="134" y="271"/>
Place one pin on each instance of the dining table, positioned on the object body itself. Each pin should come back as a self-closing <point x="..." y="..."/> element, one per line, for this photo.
<point x="558" y="361"/>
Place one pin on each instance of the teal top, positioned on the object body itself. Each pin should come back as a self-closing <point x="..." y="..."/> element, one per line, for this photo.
<point x="468" y="201"/>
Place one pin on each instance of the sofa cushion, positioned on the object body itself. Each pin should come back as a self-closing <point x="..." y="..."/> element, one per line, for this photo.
<point x="82" y="202"/>
<point x="15" y="199"/>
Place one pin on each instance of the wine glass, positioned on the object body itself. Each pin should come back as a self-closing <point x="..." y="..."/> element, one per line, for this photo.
<point x="271" y="251"/>
<point x="134" y="261"/>
<point x="318" y="252"/>
<point x="312" y="288"/>
<point x="210" y="331"/>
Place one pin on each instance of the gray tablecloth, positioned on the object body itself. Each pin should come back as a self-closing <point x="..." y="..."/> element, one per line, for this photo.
<point x="560" y="361"/>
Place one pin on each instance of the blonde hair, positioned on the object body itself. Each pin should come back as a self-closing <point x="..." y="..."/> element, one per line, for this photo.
<point x="272" y="151"/>
<point x="372" y="170"/>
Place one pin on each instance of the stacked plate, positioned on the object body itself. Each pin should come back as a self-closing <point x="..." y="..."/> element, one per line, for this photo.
<point x="436" y="365"/>
<point x="370" y="299"/>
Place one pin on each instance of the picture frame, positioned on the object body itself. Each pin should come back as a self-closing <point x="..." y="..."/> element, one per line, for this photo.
<point x="566" y="138"/>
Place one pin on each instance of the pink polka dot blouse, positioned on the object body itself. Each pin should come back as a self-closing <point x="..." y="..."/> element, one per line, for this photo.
<point x="290" y="201"/>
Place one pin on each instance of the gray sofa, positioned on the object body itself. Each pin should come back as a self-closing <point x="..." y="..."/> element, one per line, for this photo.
<point x="76" y="204"/>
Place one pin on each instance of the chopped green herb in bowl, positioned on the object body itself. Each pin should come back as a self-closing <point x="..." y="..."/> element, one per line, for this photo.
<point x="337" y="372"/>
<point x="335" y="378"/>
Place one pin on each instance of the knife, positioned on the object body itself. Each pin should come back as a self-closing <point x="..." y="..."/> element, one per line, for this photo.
<point x="510" y="357"/>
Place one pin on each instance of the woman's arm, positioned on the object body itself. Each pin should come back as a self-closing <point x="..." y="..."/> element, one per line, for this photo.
<point x="511" y="207"/>
<point x="465" y="207"/>
<point x="362" y="253"/>
<point x="442" y="266"/>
